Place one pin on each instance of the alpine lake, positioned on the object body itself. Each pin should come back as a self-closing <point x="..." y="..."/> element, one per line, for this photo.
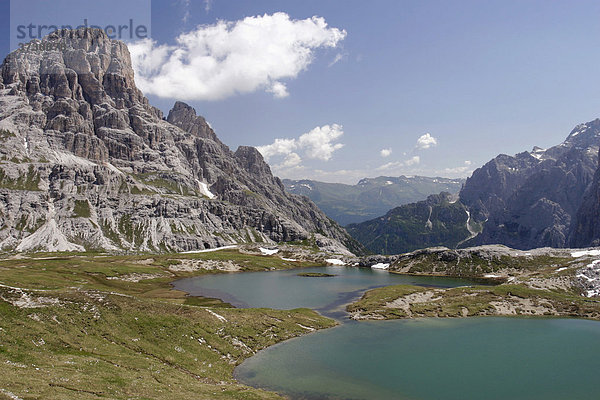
<point x="426" y="358"/>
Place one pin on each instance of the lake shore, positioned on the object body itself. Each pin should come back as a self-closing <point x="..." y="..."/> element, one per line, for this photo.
<point x="99" y="325"/>
<point x="542" y="282"/>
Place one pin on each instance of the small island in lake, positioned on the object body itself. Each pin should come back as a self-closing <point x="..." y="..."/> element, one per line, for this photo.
<point x="316" y="274"/>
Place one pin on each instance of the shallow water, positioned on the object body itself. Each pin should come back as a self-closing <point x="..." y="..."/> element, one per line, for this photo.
<point x="287" y="290"/>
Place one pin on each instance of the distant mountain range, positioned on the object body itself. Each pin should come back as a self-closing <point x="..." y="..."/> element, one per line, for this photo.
<point x="540" y="198"/>
<point x="370" y="197"/>
<point x="440" y="219"/>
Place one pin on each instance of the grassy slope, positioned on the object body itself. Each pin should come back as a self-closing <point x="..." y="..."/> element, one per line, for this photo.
<point x="533" y="291"/>
<point x="406" y="228"/>
<point x="110" y="338"/>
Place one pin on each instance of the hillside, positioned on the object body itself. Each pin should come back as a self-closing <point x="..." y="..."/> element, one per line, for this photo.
<point x="440" y="219"/>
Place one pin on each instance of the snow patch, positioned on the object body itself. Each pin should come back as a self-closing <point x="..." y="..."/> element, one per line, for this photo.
<point x="288" y="259"/>
<point x="50" y="238"/>
<point x="492" y="276"/>
<point x="268" y="252"/>
<point x="335" y="261"/>
<point x="219" y="317"/>
<point x="561" y="269"/>
<point x="585" y="253"/>
<point x="380" y="266"/>
<point x="203" y="187"/>
<point x="234" y="246"/>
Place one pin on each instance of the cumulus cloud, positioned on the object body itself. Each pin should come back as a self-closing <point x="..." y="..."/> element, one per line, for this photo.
<point x="278" y="147"/>
<point x="386" y="152"/>
<point x="318" y="144"/>
<point x="217" y="61"/>
<point x="400" y="164"/>
<point x="426" y="141"/>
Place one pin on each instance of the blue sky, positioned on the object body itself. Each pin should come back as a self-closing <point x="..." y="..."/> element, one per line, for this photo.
<point x="480" y="78"/>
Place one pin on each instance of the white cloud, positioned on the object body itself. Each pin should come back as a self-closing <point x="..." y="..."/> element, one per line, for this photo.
<point x="186" y="11"/>
<point x="319" y="144"/>
<point x="207" y="5"/>
<point x="217" y="61"/>
<point x="291" y="160"/>
<point x="462" y="170"/>
<point x="278" y="147"/>
<point x="338" y="57"/>
<point x="426" y="141"/>
<point x="279" y="90"/>
<point x="399" y="164"/>
<point x="386" y="152"/>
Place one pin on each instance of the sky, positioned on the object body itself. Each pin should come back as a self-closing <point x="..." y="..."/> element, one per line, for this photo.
<point x="342" y="90"/>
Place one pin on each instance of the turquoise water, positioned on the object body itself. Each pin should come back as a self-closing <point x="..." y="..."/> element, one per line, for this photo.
<point x="473" y="358"/>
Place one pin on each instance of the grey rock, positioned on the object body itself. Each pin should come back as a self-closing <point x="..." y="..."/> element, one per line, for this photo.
<point x="88" y="163"/>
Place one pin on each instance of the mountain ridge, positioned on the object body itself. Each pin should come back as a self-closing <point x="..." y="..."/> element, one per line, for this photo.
<point x="87" y="163"/>
<point x="370" y="197"/>
<point x="537" y="198"/>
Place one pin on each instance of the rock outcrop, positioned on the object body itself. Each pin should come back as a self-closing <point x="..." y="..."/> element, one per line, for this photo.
<point x="87" y="163"/>
<point x="585" y="231"/>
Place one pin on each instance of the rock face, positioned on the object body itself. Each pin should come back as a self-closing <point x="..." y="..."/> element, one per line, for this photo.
<point x="87" y="163"/>
<point x="531" y="200"/>
<point x="586" y="229"/>
<point x="440" y="220"/>
<point x="370" y="197"/>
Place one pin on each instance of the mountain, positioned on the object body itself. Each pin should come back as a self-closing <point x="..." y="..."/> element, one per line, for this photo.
<point x="87" y="163"/>
<point x="371" y="197"/>
<point x="540" y="198"/>
<point x="585" y="231"/>
<point x="531" y="199"/>
<point x="440" y="219"/>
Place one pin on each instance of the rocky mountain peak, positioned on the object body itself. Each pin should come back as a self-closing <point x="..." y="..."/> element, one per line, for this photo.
<point x="87" y="163"/>
<point x="185" y="117"/>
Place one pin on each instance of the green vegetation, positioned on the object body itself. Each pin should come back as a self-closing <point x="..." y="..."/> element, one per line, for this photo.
<point x="28" y="181"/>
<point x="5" y="134"/>
<point x="81" y="209"/>
<point x="163" y="182"/>
<point x="316" y="274"/>
<point x="84" y="326"/>
<point x="475" y="265"/>
<point x="434" y="222"/>
<point x="405" y="301"/>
